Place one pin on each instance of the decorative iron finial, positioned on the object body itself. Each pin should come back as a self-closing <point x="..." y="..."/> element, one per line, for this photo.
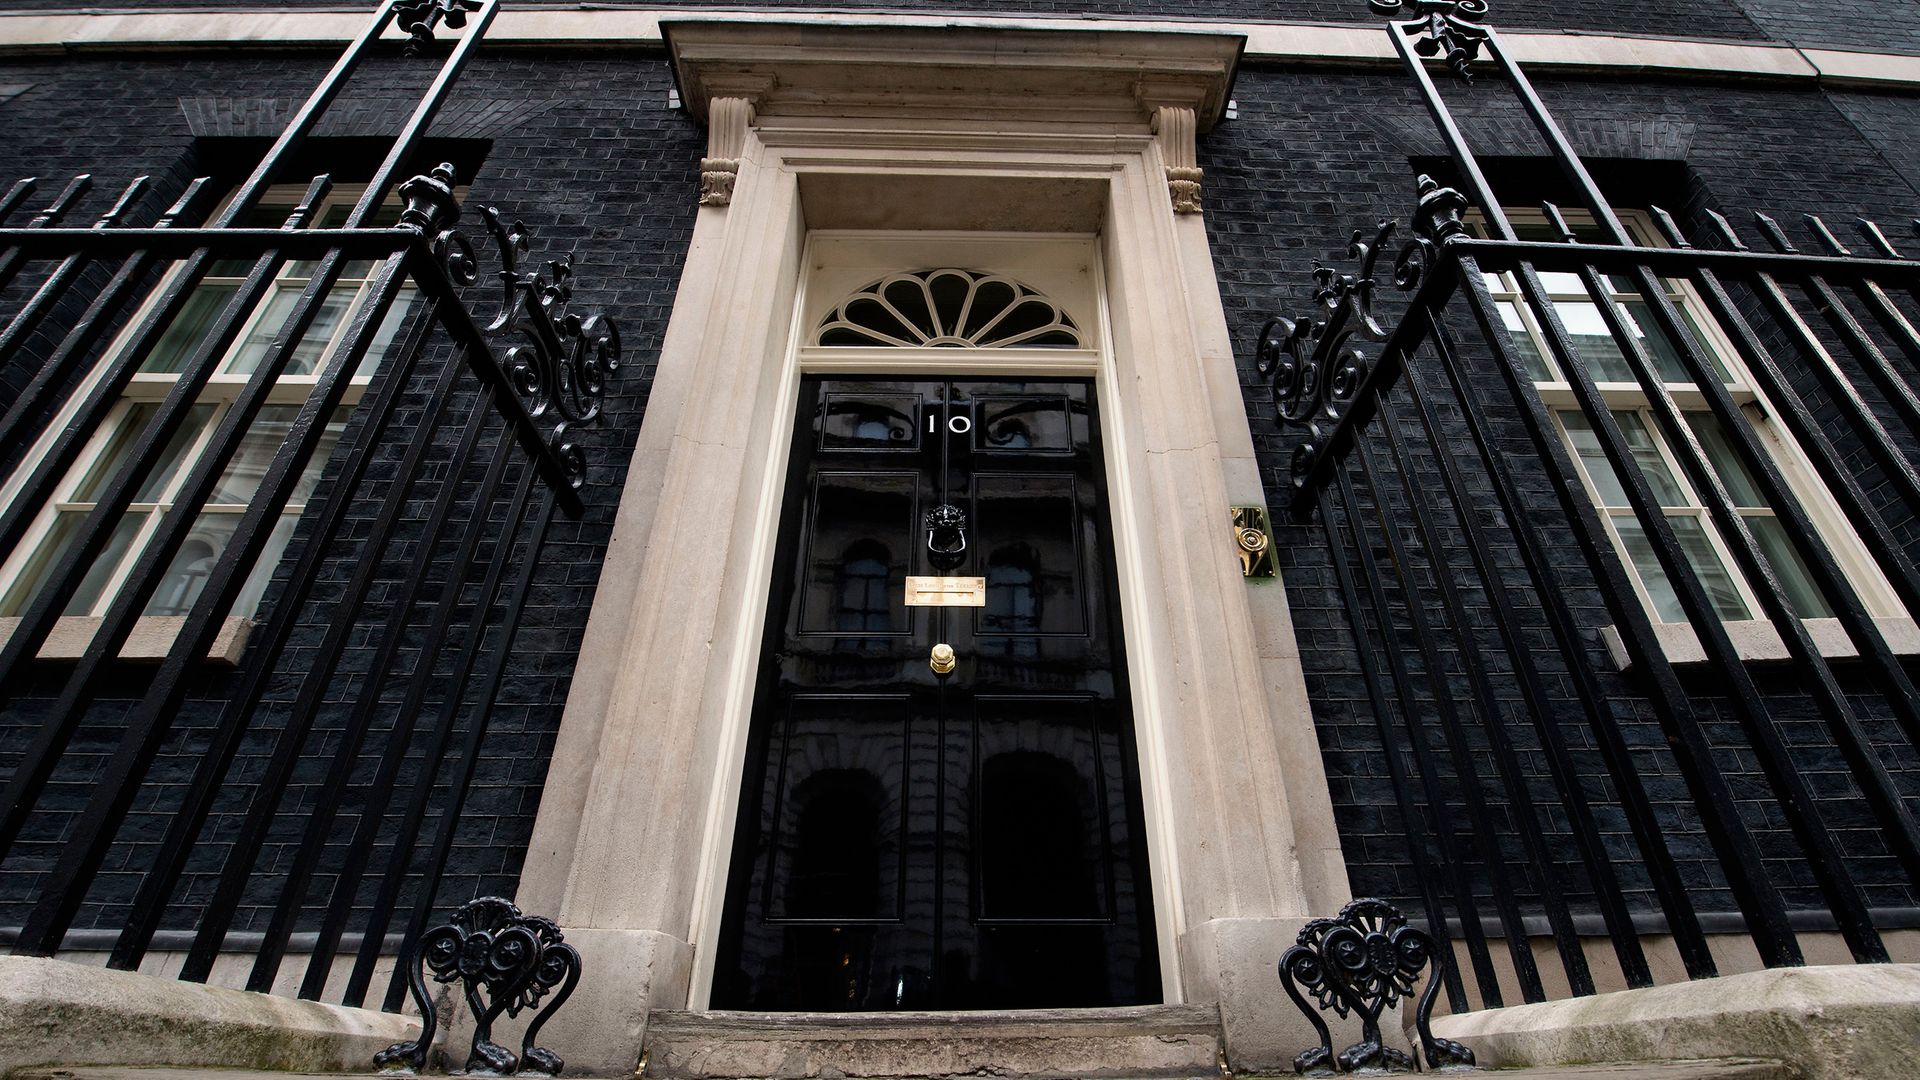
<point x="417" y="18"/>
<point x="430" y="204"/>
<point x="1363" y="963"/>
<point x="1436" y="215"/>
<point x="1448" y="28"/>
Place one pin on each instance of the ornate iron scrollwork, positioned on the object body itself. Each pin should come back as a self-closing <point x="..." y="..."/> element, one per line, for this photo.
<point x="512" y="959"/>
<point x="1314" y="366"/>
<point x="559" y="361"/>
<point x="1314" y="372"/>
<point x="1447" y="28"/>
<point x="946" y="526"/>
<point x="1363" y="963"/>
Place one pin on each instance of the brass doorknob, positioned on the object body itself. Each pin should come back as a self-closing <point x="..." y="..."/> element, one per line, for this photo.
<point x="941" y="659"/>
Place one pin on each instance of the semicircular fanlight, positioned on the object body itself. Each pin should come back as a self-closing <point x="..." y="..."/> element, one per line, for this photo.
<point x="949" y="308"/>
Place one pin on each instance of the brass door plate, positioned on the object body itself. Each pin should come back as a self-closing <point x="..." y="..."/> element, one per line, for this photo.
<point x="1252" y="541"/>
<point x="946" y="592"/>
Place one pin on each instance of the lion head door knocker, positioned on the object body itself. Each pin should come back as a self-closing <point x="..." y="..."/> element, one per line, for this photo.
<point x="946" y="536"/>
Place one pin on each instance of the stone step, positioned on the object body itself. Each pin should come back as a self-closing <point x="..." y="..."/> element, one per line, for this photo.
<point x="1728" y="1069"/>
<point x="1144" y="1041"/>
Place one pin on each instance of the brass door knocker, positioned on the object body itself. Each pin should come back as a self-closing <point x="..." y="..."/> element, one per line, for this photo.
<point x="946" y="536"/>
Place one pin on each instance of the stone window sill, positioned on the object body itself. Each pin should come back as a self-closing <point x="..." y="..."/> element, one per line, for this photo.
<point x="1756" y="640"/>
<point x="151" y="638"/>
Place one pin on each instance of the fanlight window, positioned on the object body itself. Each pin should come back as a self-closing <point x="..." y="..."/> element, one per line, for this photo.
<point x="951" y="308"/>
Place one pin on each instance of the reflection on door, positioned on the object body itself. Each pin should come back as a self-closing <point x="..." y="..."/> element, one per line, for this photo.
<point x="913" y="841"/>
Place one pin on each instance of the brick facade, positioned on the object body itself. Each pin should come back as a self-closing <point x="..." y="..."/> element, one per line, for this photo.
<point x="595" y="160"/>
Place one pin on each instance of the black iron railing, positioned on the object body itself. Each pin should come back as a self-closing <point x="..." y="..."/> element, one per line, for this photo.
<point x="404" y="583"/>
<point x="1528" y="595"/>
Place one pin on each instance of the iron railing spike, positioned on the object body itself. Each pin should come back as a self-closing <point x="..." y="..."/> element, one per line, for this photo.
<point x="22" y="188"/>
<point x="196" y="188"/>
<point x="63" y="202"/>
<point x="1559" y="221"/>
<point x="310" y="201"/>
<point x="1877" y="237"/>
<point x="1775" y="235"/>
<point x="121" y="205"/>
<point x="1825" y="234"/>
<point x="1669" y="227"/>
<point x="1726" y="230"/>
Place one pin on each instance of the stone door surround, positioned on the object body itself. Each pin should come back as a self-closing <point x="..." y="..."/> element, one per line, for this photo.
<point x="919" y="138"/>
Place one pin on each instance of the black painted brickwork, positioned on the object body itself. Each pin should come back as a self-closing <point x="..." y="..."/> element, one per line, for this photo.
<point x="1869" y="25"/>
<point x="1286" y="183"/>
<point x="595" y="164"/>
<point x="1698" y="18"/>
<point x="609" y="168"/>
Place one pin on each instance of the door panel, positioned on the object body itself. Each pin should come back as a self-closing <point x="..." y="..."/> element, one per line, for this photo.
<point x="909" y="840"/>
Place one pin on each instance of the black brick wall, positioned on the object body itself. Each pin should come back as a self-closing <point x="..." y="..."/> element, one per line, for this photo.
<point x="1873" y="25"/>
<point x="1846" y="24"/>
<point x="596" y="162"/>
<point x="1702" y="18"/>
<point x="596" y="165"/>
<point x="1287" y="182"/>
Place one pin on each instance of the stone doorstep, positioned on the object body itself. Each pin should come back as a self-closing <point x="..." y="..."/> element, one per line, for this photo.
<point x="1066" y="1044"/>
<point x="1729" y="1069"/>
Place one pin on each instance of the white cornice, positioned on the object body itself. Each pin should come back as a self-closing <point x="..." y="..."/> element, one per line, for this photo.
<point x="1348" y="45"/>
<point x="1096" y="75"/>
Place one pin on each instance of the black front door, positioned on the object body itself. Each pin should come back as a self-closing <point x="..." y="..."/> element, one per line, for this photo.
<point x="910" y="840"/>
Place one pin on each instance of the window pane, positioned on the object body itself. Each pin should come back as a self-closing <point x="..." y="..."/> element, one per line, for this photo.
<point x="187" y="575"/>
<point x="1713" y="355"/>
<point x="1593" y="342"/>
<point x="125" y="443"/>
<point x="1796" y="581"/>
<point x="1700" y="555"/>
<point x="259" y="341"/>
<point x="175" y="347"/>
<point x="59" y="538"/>
<point x="1523" y="342"/>
<point x="186" y="579"/>
<point x="1646" y="453"/>
<point x="271" y="429"/>
<point x="390" y="328"/>
<point x="1726" y="463"/>
<point x="1664" y="350"/>
<point x="248" y="601"/>
<point x="1586" y="445"/>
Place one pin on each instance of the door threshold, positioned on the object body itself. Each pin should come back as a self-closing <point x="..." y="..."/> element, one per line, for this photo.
<point x="1078" y="1044"/>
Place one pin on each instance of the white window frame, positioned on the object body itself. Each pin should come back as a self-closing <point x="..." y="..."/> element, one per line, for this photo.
<point x="153" y="635"/>
<point x="1755" y="636"/>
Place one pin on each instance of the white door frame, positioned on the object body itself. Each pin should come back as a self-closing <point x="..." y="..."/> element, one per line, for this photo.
<point x="937" y="248"/>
